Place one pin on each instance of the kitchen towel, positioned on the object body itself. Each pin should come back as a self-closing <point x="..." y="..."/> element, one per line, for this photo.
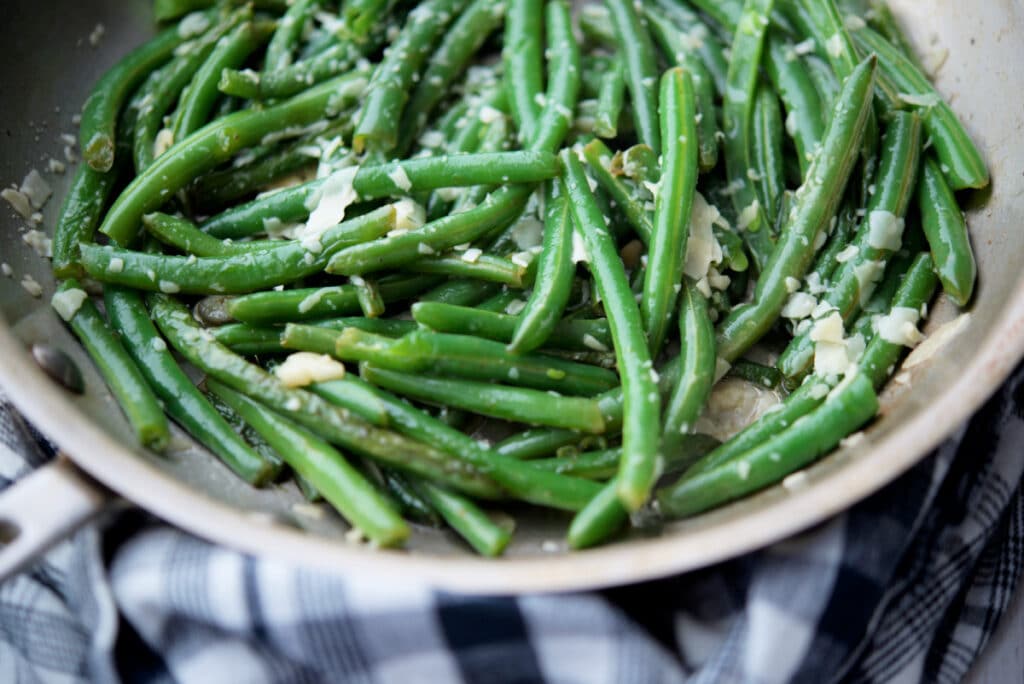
<point x="907" y="586"/>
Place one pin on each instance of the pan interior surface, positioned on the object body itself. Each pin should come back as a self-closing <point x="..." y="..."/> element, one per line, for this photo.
<point x="49" y="69"/>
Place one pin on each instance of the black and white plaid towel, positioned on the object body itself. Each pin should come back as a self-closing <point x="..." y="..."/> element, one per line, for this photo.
<point x="906" y="587"/>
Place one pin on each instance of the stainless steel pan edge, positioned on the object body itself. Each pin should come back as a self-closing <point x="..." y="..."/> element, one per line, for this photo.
<point x="915" y="419"/>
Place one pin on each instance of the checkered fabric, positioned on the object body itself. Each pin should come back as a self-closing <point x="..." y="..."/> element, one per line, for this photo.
<point x="907" y="586"/>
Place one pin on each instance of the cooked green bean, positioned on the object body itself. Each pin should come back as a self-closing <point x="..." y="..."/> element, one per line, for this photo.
<point x="555" y="274"/>
<point x="814" y="206"/>
<point x="944" y="225"/>
<point x="370" y="300"/>
<point x="673" y="206"/>
<point x="610" y="100"/>
<point x="262" y="308"/>
<point x="97" y="134"/>
<point x="522" y="57"/>
<point x="846" y="408"/>
<point x="599" y="159"/>
<point x="766" y="150"/>
<point x="165" y="10"/>
<point x="181" y="233"/>
<point x="282" y="44"/>
<point x="878" y="237"/>
<point x="239" y="273"/>
<point x="400" y="178"/>
<point x="487" y="537"/>
<point x="602" y="517"/>
<point x="388" y="91"/>
<point x="182" y="401"/>
<point x="556" y="116"/>
<point x="697" y="369"/>
<point x="641" y="63"/>
<point x="217" y="143"/>
<point x="499" y="209"/>
<point x="461" y="293"/>
<point x="323" y="466"/>
<point x="737" y="117"/>
<point x="804" y="106"/>
<point x="461" y="42"/>
<point x="362" y="15"/>
<point x="80" y="215"/>
<point x="756" y="374"/>
<point x="702" y="41"/>
<point x="485" y="267"/>
<point x="336" y="425"/>
<point x="199" y="99"/>
<point x="122" y="376"/>
<point x="515" y="404"/>
<point x="642" y="404"/>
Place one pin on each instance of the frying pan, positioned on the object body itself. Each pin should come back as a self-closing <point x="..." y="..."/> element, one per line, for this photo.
<point x="48" y="68"/>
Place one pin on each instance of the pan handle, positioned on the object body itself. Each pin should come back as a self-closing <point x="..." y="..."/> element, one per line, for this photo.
<point x="43" y="509"/>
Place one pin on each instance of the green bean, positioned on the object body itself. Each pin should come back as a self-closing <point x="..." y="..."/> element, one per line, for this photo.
<point x="520" y="480"/>
<point x="460" y="293"/>
<point x="373" y="182"/>
<point x="556" y="116"/>
<point x="825" y="263"/>
<point x="122" y="376"/>
<point x="388" y="92"/>
<point x="249" y="340"/>
<point x="610" y="100"/>
<point x="814" y="206"/>
<point x="700" y="39"/>
<point x="673" y="206"/>
<point x="453" y="355"/>
<point x="737" y="118"/>
<point x="515" y="404"/>
<point x="569" y="334"/>
<point x="599" y="159"/>
<point x="555" y="274"/>
<point x="594" y="465"/>
<point x="462" y="41"/>
<point x="323" y="466"/>
<point x="370" y="300"/>
<point x="847" y="408"/>
<point x="499" y="209"/>
<point x="165" y="10"/>
<point x="726" y="13"/>
<point x="825" y="82"/>
<point x="97" y="134"/>
<point x="878" y="237"/>
<point x="880" y="18"/>
<point x="804" y="106"/>
<point x="915" y="291"/>
<point x="641" y="65"/>
<point x="183" y="234"/>
<point x="946" y="230"/>
<point x="641" y="400"/>
<point x="362" y="15"/>
<point x="288" y="82"/>
<point x="411" y="504"/>
<point x="596" y="25"/>
<point x="253" y="440"/>
<point x="286" y="37"/>
<point x="199" y="99"/>
<point x="181" y="399"/>
<point x="494" y="137"/>
<point x="485" y="267"/>
<point x="536" y="443"/>
<point x="697" y="369"/>
<point x="960" y="160"/>
<point x="216" y="143"/>
<point x="336" y="425"/>
<point x="602" y="517"/>
<point x="524" y="63"/>
<point x="262" y="308"/>
<point x="820" y="20"/>
<point x="756" y="374"/>
<point x="164" y="87"/>
<point x="766" y="150"/>
<point x="79" y="217"/>
<point x="678" y="49"/>
<point x="486" y="537"/>
<point x="240" y="273"/>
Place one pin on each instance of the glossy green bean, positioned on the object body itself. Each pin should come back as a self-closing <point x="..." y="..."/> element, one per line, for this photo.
<point x="289" y="30"/>
<point x="641" y="63"/>
<point x="563" y="77"/>
<point x="336" y="425"/>
<point x="847" y="408"/>
<point x="599" y="159"/>
<point x="766" y="150"/>
<point x="878" y="237"/>
<point x="701" y="40"/>
<point x="460" y="293"/>
<point x="814" y="206"/>
<point x="216" y="143"/>
<point x="522" y="56"/>
<point x="697" y="369"/>
<point x="484" y="535"/>
<point x="324" y="467"/>
<point x="263" y="308"/>
<point x="165" y="10"/>
<point x="80" y="215"/>
<point x="642" y="404"/>
<point x="673" y="205"/>
<point x="486" y="267"/>
<point x="555" y="273"/>
<point x="602" y="517"/>
<point x="946" y="229"/>
<point x="239" y="273"/>
<point x="123" y="377"/>
<point x="362" y="15"/>
<point x="393" y="78"/>
<point x="182" y="401"/>
<point x="804" y="106"/>
<point x="499" y="209"/>
<point x="610" y="100"/>
<point x="515" y="404"/>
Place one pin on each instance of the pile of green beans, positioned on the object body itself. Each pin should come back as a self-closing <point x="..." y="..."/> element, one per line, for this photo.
<point x="378" y="231"/>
